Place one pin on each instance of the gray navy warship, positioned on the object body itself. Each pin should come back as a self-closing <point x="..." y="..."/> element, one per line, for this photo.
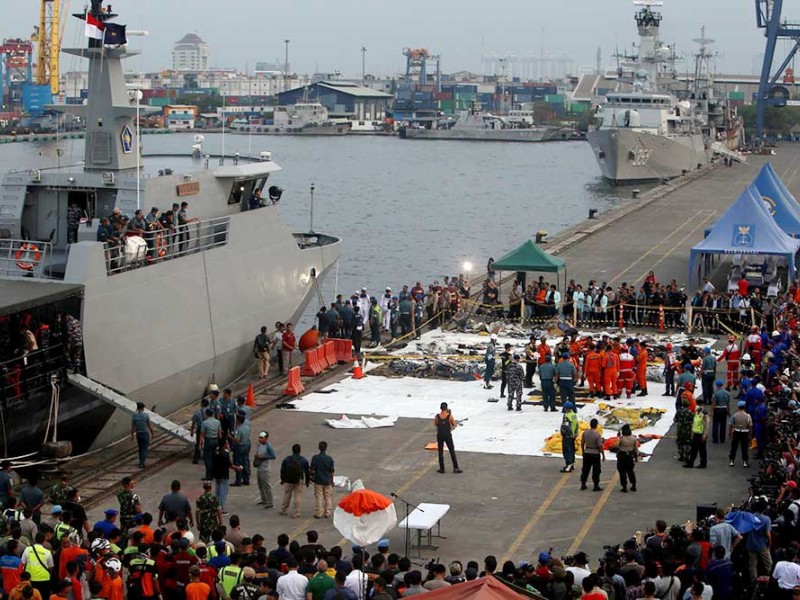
<point x="162" y="313"/>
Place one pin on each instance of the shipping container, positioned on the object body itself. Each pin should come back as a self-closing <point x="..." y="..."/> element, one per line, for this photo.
<point x="554" y="98"/>
<point x="736" y="95"/>
<point x="442" y="95"/>
<point x="447" y="106"/>
<point x="156" y="101"/>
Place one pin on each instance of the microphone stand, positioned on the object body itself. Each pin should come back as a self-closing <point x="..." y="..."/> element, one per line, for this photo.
<point x="408" y="506"/>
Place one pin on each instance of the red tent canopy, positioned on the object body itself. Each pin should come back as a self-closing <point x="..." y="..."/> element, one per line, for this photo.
<point x="485" y="588"/>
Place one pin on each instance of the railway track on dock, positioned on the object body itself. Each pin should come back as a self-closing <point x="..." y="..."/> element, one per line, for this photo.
<point x="98" y="474"/>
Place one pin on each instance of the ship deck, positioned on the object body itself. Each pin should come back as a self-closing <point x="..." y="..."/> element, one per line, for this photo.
<point x="515" y="506"/>
<point x="18" y="294"/>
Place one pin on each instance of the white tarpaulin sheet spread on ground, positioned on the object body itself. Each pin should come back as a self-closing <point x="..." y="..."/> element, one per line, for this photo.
<point x="486" y="427"/>
<point x="345" y="422"/>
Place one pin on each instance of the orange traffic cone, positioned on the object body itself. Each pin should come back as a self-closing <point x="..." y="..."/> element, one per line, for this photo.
<point x="358" y="372"/>
<point x="251" y="396"/>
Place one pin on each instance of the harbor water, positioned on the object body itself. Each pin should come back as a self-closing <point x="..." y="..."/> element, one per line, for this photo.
<point x="406" y="210"/>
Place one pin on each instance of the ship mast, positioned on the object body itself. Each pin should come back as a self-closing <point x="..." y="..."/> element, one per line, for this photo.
<point x="111" y="137"/>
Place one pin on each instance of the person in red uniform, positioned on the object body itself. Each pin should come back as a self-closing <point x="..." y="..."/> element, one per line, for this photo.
<point x="731" y="355"/>
<point x="752" y="346"/>
<point x="610" y="372"/>
<point x="641" y="368"/>
<point x="591" y="370"/>
<point x="626" y="371"/>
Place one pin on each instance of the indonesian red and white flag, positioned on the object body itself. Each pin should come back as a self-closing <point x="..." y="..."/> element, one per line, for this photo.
<point x="94" y="27"/>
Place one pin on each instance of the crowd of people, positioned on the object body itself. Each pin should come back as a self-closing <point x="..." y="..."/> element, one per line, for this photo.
<point x="184" y="550"/>
<point x="165" y="233"/>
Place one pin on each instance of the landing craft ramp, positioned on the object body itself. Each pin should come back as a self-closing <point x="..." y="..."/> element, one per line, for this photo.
<point x="119" y="401"/>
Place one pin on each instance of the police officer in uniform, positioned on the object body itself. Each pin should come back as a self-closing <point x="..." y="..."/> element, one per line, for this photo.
<point x="240" y="445"/>
<point x="547" y="374"/>
<point x="445" y="423"/>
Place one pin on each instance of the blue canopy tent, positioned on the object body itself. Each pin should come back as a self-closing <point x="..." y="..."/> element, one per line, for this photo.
<point x="778" y="201"/>
<point x="745" y="228"/>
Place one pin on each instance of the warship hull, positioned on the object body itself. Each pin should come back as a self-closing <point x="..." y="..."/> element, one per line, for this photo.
<point x="485" y="135"/>
<point x="627" y="156"/>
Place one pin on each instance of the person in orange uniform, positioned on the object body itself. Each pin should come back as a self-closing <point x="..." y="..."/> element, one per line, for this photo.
<point x="591" y="370"/>
<point x="196" y="590"/>
<point x="626" y="371"/>
<point x="641" y="368"/>
<point x="543" y="350"/>
<point x="114" y="580"/>
<point x="610" y="372"/>
<point x="688" y="395"/>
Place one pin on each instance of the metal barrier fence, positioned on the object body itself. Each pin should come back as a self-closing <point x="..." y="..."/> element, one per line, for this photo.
<point x="662" y="317"/>
<point x="159" y="245"/>
<point x="23" y="258"/>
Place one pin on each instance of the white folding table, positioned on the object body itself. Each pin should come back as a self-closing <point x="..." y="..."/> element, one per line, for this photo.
<point x="424" y="518"/>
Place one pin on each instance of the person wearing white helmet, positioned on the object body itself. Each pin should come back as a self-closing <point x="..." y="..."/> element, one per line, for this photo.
<point x="114" y="582"/>
<point x="489" y="358"/>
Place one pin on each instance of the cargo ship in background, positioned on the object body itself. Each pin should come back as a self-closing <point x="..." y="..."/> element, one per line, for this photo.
<point x="649" y="128"/>
<point x="161" y="315"/>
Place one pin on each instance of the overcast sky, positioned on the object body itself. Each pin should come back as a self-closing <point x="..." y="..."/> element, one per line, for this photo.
<point x="329" y="35"/>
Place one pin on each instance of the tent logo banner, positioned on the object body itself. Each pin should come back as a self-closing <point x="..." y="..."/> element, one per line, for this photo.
<point x="770" y="204"/>
<point x="744" y="236"/>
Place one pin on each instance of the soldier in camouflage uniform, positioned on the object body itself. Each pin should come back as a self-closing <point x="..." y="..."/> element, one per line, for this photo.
<point x="684" y="419"/>
<point x="209" y="512"/>
<point x="515" y="375"/>
<point x="59" y="493"/>
<point x="129" y="504"/>
<point x="74" y="214"/>
<point x="74" y="343"/>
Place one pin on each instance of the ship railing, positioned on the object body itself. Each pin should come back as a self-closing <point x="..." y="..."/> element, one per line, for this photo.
<point x="159" y="245"/>
<point x="24" y="258"/>
<point x="27" y="375"/>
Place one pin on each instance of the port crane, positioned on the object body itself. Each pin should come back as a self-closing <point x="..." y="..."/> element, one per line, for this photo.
<point x="48" y="35"/>
<point x="768" y="18"/>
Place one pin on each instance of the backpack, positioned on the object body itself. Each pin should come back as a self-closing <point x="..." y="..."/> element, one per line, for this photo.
<point x="566" y="428"/>
<point x="293" y="472"/>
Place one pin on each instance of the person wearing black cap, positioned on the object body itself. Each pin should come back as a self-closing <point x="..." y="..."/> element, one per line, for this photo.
<point x="445" y="423"/>
<point x="142" y="430"/>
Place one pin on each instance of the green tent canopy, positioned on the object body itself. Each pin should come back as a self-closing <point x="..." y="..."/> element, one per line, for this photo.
<point x="529" y="257"/>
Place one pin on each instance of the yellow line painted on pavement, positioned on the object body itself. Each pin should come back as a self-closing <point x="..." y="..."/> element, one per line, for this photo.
<point x="653" y="249"/>
<point x="412" y="441"/>
<point x="537" y="516"/>
<point x="593" y="515"/>
<point x="680" y="241"/>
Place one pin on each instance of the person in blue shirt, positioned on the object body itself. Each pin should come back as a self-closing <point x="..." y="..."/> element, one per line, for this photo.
<point x="142" y="430"/>
<point x="757" y="543"/>
<point x="105" y="232"/>
<point x="107" y="525"/>
<point x="759" y="415"/>
<point x="753" y="395"/>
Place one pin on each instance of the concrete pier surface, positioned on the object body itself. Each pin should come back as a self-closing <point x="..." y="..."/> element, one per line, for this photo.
<point x="510" y="506"/>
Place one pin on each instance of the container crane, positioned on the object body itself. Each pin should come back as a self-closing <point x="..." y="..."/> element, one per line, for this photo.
<point x="48" y="35"/>
<point x="768" y="18"/>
